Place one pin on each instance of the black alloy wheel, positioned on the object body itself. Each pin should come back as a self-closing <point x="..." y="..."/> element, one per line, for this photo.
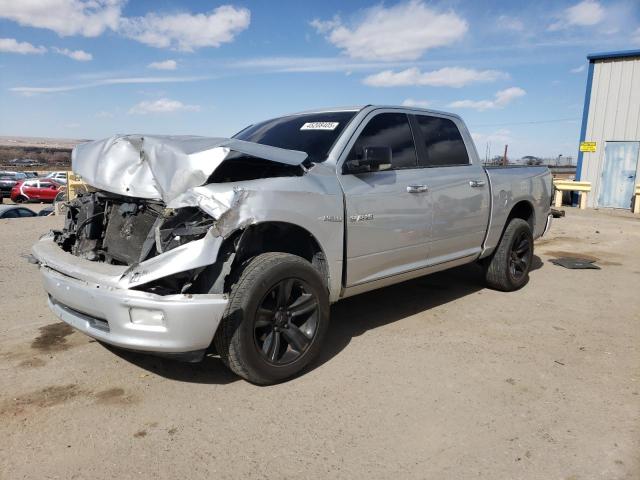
<point x="286" y="321"/>
<point x="520" y="256"/>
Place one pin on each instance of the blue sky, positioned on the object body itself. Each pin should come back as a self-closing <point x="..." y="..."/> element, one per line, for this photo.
<point x="515" y="71"/>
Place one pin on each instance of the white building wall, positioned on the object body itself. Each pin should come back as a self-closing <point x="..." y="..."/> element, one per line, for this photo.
<point x="614" y="114"/>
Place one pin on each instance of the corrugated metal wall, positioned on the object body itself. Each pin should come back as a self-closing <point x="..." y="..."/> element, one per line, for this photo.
<point x="614" y="114"/>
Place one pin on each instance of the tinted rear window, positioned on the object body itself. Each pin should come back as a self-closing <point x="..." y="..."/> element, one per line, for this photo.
<point x="443" y="144"/>
<point x="313" y="133"/>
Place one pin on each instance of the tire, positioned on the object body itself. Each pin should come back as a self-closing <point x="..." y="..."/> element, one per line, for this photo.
<point x="276" y="298"/>
<point x="20" y="199"/>
<point x="508" y="268"/>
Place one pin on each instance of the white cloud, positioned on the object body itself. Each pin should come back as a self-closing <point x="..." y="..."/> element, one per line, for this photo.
<point x="584" y="14"/>
<point x="162" y="105"/>
<point x="501" y="99"/>
<point x="185" y="31"/>
<point x="165" y="65"/>
<point x="401" y="32"/>
<point x="325" y="26"/>
<point x="90" y="18"/>
<point x="410" y="102"/>
<point x="510" y="23"/>
<point x="310" y="64"/>
<point x="579" y="69"/>
<point x="11" y="45"/>
<point x="445" y="77"/>
<point x="106" y="81"/>
<point x="500" y="136"/>
<point x="65" y="17"/>
<point x="79" y="55"/>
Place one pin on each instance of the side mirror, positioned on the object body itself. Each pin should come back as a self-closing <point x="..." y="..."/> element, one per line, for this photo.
<point x="375" y="159"/>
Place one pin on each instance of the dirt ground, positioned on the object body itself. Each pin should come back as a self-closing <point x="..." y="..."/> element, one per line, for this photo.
<point x="434" y="378"/>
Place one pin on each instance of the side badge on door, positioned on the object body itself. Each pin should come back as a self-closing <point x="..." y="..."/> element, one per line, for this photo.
<point x="330" y="218"/>
<point x="361" y="218"/>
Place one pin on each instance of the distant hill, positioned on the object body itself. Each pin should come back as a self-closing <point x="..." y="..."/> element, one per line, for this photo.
<point x="48" y="153"/>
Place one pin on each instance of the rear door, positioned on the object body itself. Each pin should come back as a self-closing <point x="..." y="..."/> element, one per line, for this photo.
<point x="458" y="189"/>
<point x="47" y="190"/>
<point x="387" y="219"/>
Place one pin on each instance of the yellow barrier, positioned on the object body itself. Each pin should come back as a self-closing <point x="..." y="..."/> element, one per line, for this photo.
<point x="571" y="186"/>
<point x="75" y="185"/>
<point x="636" y="203"/>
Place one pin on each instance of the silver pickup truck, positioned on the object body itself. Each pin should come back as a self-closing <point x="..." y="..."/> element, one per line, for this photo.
<point x="238" y="246"/>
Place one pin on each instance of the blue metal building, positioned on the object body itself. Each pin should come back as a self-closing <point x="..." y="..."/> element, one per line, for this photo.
<point x="611" y="120"/>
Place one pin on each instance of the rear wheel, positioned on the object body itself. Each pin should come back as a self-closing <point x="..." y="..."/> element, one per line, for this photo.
<point x="20" y="199"/>
<point x="276" y="319"/>
<point x="508" y="268"/>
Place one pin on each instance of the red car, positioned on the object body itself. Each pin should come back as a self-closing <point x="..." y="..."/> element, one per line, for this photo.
<point x="35" y="190"/>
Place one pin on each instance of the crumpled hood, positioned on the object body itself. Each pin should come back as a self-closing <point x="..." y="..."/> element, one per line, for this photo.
<point x="163" y="167"/>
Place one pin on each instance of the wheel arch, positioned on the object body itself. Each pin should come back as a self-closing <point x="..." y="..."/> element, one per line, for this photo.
<point x="524" y="210"/>
<point x="274" y="236"/>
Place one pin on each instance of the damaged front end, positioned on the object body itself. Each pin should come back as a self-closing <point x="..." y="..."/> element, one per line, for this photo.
<point x="143" y="256"/>
<point x="149" y="212"/>
<point x="109" y="228"/>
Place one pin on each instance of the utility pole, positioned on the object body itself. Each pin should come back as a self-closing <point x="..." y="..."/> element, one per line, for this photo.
<point x="504" y="158"/>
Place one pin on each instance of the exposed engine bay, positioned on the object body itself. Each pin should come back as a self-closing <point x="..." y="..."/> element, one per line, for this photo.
<point x="110" y="228"/>
<point x="123" y="231"/>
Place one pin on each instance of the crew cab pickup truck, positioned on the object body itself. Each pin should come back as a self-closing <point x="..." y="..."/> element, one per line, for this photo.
<point x="238" y="246"/>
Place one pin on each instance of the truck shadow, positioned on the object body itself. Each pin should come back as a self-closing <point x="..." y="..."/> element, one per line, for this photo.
<point x="210" y="370"/>
<point x="349" y="318"/>
<point x="356" y="315"/>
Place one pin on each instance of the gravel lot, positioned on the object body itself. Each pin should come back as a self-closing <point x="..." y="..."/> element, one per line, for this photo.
<point x="434" y="378"/>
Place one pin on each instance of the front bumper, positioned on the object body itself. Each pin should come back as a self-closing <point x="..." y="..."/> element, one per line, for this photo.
<point x="131" y="319"/>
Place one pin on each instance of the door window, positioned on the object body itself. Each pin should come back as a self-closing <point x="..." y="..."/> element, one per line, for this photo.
<point x="10" y="214"/>
<point x="390" y="130"/>
<point x="440" y="142"/>
<point x="24" y="212"/>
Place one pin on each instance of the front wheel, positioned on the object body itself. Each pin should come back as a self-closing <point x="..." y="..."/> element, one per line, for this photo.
<point x="508" y="268"/>
<point x="276" y="319"/>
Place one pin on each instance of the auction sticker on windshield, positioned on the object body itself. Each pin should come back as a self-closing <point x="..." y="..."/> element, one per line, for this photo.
<point x="320" y="126"/>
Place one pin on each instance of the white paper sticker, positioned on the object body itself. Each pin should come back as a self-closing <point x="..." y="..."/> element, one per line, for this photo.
<point x="320" y="126"/>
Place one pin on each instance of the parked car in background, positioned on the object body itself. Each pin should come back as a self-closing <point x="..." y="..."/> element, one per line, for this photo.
<point x="60" y="177"/>
<point x="35" y="190"/>
<point x="8" y="180"/>
<point x="31" y="174"/>
<point x="46" y="211"/>
<point x="15" y="211"/>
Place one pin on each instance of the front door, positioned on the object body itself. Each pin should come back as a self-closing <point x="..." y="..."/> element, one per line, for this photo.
<point x="618" y="174"/>
<point x="387" y="211"/>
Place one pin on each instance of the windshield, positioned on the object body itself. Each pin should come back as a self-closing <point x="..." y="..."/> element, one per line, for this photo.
<point x="313" y="133"/>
